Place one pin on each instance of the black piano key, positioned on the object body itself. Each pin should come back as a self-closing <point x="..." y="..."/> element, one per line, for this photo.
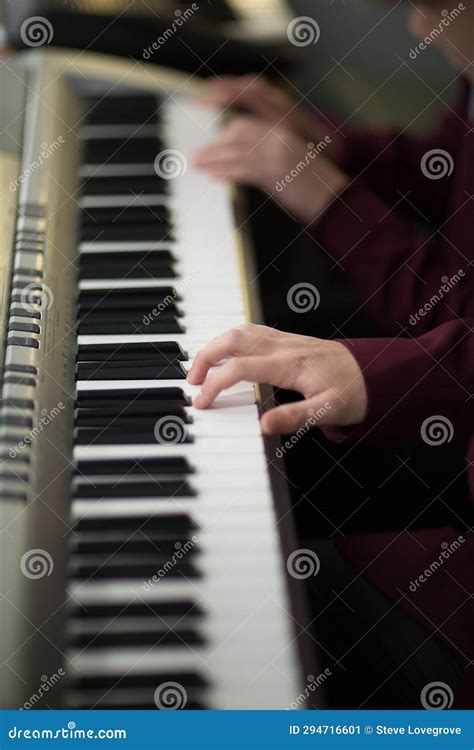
<point x="122" y="109"/>
<point x="130" y="328"/>
<point x="119" y="568"/>
<point x="139" y="314"/>
<point x="133" y="150"/>
<point x="135" y="365"/>
<point x="128" y="419"/>
<point x="104" y="680"/>
<point x="136" y="270"/>
<point x="123" y="396"/>
<point x="178" y="608"/>
<point x="158" y="263"/>
<point x="131" y="372"/>
<point x="133" y="698"/>
<point x="131" y="351"/>
<point x="133" y="214"/>
<point x="134" y="185"/>
<point x="110" y="544"/>
<point x="172" y="523"/>
<point x="111" y="436"/>
<point x="119" y="297"/>
<point x="160" y="637"/>
<point x="140" y="467"/>
<point x="97" y="259"/>
<point x="151" y="232"/>
<point x="133" y="409"/>
<point x="130" y="489"/>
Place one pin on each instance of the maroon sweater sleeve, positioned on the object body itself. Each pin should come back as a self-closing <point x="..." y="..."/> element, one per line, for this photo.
<point x="406" y="279"/>
<point x="391" y="163"/>
<point x="418" y="388"/>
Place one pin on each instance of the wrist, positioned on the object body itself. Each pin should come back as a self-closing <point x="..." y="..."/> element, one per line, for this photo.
<point x="330" y="190"/>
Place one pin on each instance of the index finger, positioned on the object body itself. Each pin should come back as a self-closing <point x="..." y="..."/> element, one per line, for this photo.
<point x="247" y="340"/>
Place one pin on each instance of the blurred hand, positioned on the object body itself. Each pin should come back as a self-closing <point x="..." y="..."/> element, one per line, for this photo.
<point x="324" y="372"/>
<point x="277" y="161"/>
<point x="272" y="103"/>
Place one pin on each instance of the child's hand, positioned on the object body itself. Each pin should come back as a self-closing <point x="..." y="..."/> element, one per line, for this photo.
<point x="275" y="105"/>
<point x="324" y="372"/>
<point x="277" y="161"/>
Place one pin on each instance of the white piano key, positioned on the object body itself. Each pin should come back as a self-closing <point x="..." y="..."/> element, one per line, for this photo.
<point x="121" y="201"/>
<point x="239" y="394"/>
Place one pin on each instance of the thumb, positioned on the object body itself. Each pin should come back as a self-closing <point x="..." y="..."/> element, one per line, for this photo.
<point x="287" y="418"/>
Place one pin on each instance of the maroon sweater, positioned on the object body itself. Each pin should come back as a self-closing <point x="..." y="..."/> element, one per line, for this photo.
<point x="418" y="284"/>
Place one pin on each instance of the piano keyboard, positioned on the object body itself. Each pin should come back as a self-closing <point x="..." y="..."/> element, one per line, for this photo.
<point x="174" y="560"/>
